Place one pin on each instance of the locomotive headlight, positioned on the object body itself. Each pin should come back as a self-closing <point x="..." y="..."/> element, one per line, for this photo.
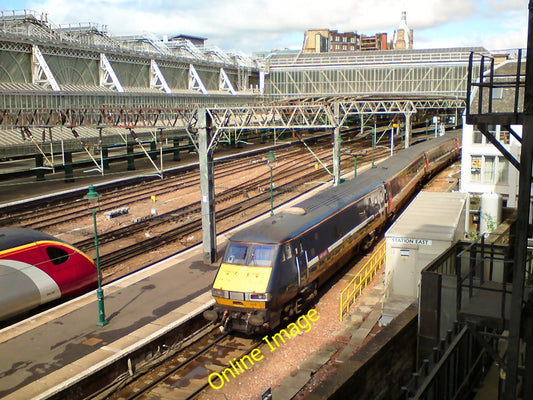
<point x="260" y="296"/>
<point x="219" y="293"/>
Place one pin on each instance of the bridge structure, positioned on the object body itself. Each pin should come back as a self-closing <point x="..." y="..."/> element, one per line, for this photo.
<point x="65" y="89"/>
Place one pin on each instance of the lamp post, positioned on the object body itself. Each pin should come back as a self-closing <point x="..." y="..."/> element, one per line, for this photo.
<point x="270" y="160"/>
<point x="93" y="205"/>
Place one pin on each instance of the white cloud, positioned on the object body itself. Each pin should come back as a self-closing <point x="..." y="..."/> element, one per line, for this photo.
<point x="251" y="25"/>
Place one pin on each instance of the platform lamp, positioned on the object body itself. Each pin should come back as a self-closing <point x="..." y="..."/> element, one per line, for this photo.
<point x="271" y="159"/>
<point x="93" y="205"/>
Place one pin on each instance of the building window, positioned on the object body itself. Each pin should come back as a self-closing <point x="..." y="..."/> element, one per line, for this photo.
<point x="503" y="170"/>
<point x="477" y="137"/>
<point x="475" y="169"/>
<point x="504" y="136"/>
<point x="489" y="170"/>
<point x="488" y="175"/>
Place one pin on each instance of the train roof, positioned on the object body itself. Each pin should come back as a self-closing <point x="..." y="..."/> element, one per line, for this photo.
<point x="14" y="237"/>
<point x="287" y="224"/>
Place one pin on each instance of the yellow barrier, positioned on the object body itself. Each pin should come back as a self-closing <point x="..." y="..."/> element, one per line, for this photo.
<point x="361" y="279"/>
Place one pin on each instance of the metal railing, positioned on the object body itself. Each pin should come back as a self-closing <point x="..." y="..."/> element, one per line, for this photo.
<point x="476" y="266"/>
<point x="452" y="371"/>
<point x="361" y="279"/>
<point x="487" y="88"/>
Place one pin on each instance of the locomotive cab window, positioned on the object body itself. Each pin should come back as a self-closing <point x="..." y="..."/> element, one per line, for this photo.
<point x="259" y="255"/>
<point x="262" y="256"/>
<point x="236" y="254"/>
<point x="57" y="256"/>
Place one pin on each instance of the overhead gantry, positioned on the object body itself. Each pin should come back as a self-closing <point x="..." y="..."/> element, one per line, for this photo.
<point x="208" y="126"/>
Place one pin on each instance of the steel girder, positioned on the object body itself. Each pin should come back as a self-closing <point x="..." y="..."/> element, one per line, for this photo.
<point x="315" y="115"/>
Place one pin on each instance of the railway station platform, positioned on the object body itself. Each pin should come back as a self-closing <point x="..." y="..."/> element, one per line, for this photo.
<point x="46" y="354"/>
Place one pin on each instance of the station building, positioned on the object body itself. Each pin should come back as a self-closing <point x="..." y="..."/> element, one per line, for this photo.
<point x="484" y="168"/>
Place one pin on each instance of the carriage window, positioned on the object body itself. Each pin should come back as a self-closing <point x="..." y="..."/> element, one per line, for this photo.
<point x="262" y="256"/>
<point x="57" y="256"/>
<point x="236" y="254"/>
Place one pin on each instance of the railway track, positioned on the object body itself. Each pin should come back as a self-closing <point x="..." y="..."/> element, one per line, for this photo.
<point x="184" y="222"/>
<point x="188" y="218"/>
<point x="186" y="373"/>
<point x="116" y="246"/>
<point x="54" y="211"/>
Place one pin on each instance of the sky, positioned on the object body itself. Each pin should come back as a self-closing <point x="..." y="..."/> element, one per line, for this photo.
<point x="262" y="25"/>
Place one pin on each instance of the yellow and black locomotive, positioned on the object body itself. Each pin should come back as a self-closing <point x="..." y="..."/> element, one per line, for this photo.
<point x="273" y="268"/>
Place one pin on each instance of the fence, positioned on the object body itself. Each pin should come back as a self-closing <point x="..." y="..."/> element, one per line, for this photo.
<point x="361" y="279"/>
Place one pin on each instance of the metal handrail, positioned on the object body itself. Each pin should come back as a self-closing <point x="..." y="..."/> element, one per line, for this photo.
<point x="355" y="287"/>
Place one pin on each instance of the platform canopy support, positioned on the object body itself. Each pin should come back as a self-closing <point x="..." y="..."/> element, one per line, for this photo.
<point x="207" y="186"/>
<point x="224" y="82"/>
<point x="336" y="145"/>
<point x="157" y="79"/>
<point x="195" y="82"/>
<point x="150" y="155"/>
<point x="408" y="128"/>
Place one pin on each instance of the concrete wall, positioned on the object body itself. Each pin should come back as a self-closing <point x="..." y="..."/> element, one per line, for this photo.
<point x="380" y="368"/>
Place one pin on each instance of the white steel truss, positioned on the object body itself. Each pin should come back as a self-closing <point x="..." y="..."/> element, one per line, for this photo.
<point x="41" y="73"/>
<point x="157" y="79"/>
<point x="195" y="82"/>
<point x="295" y="115"/>
<point x="224" y="83"/>
<point x="106" y="73"/>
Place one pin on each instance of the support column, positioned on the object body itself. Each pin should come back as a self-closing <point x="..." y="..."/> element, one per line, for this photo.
<point x="522" y="227"/>
<point x="105" y="157"/>
<point x="336" y="146"/>
<point x="408" y="128"/>
<point x="39" y="171"/>
<point x="153" y="150"/>
<point x="130" y="157"/>
<point x="69" y="170"/>
<point x="176" y="147"/>
<point x="207" y="187"/>
<point x="520" y="253"/>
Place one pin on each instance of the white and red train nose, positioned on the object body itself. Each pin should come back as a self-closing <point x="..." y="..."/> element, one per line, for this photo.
<point x="23" y="287"/>
<point x="36" y="268"/>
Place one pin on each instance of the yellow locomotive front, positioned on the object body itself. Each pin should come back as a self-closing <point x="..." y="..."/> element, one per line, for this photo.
<point x="242" y="287"/>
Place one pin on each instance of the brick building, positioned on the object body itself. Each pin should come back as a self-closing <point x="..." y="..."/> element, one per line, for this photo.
<point x="325" y="40"/>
